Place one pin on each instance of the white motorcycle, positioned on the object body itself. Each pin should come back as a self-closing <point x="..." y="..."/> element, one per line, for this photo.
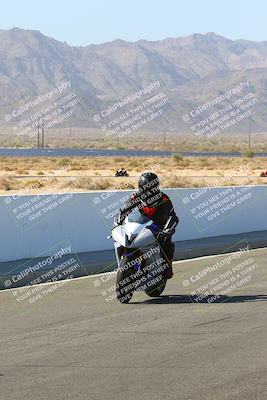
<point x="140" y="260"/>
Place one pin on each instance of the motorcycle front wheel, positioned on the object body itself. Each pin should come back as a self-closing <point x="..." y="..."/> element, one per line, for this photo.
<point x="157" y="291"/>
<point x="124" y="283"/>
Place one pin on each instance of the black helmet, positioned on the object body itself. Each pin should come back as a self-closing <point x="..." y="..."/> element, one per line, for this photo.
<point x="148" y="185"/>
<point x="148" y="181"/>
<point x="149" y="188"/>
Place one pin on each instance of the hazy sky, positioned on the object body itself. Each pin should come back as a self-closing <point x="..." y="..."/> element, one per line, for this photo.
<point x="82" y="22"/>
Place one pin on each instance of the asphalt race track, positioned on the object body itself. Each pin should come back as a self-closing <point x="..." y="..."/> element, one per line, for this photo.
<point x="71" y="343"/>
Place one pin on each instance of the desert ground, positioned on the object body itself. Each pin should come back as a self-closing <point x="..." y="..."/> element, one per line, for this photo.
<point x="46" y="175"/>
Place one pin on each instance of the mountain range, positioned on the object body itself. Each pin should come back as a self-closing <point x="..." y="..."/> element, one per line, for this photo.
<point x="191" y="70"/>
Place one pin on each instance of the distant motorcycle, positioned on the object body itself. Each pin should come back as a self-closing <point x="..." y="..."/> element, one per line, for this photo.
<point x="139" y="258"/>
<point x="121" y="172"/>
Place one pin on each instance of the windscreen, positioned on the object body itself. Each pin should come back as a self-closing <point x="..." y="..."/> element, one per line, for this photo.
<point x="137" y="217"/>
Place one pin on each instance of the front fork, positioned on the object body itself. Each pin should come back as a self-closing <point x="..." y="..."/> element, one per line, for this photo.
<point x="121" y="251"/>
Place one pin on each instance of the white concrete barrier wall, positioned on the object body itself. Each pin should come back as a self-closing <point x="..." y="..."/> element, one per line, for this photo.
<point x="33" y="226"/>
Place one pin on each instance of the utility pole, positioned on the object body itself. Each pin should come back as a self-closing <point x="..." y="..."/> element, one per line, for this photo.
<point x="164" y="138"/>
<point x="38" y="134"/>
<point x="249" y="132"/>
<point x="43" y="132"/>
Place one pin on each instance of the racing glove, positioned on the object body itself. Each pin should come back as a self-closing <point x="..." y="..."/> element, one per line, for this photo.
<point x="117" y="220"/>
<point x="162" y="237"/>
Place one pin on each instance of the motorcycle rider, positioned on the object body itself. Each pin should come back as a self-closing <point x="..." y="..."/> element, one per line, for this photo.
<point x="156" y="205"/>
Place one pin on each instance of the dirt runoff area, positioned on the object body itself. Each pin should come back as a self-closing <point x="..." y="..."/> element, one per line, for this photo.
<point x="49" y="175"/>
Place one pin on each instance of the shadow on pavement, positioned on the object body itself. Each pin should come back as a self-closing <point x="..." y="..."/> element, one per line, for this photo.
<point x="211" y="299"/>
